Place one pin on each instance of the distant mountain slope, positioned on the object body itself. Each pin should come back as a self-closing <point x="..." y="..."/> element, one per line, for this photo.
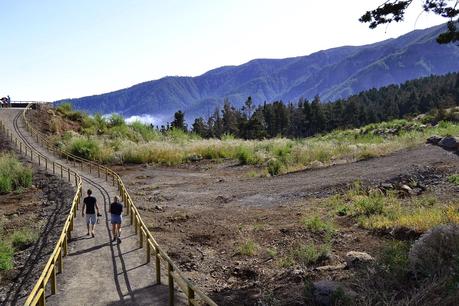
<point x="332" y="74"/>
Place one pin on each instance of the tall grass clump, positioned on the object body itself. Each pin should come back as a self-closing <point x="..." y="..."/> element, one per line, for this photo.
<point x="6" y="256"/>
<point x="248" y="248"/>
<point x="13" y="175"/>
<point x="308" y="254"/>
<point x="315" y="224"/>
<point x="85" y="147"/>
<point x="22" y="239"/>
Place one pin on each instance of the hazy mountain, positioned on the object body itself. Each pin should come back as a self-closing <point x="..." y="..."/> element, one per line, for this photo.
<point x="331" y="74"/>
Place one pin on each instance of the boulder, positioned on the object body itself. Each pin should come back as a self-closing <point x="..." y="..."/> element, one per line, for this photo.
<point x="354" y="258"/>
<point x="449" y="142"/>
<point x="327" y="293"/>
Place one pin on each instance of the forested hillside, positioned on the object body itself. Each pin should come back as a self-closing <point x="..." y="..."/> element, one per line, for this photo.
<point x="305" y="118"/>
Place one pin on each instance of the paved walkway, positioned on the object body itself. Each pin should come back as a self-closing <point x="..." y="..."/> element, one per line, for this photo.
<point x="96" y="270"/>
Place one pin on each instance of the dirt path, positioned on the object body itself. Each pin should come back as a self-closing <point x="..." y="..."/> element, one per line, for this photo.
<point x="97" y="271"/>
<point x="225" y="185"/>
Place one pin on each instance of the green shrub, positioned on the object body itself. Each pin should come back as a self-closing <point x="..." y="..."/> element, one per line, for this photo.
<point x="274" y="167"/>
<point x="369" y="205"/>
<point x="394" y="257"/>
<point x="13" y="175"/>
<point x="116" y="120"/>
<point x="317" y="225"/>
<point x="22" y="239"/>
<point x="6" y="256"/>
<point x="85" y="147"/>
<point x="245" y="156"/>
<point x="248" y="248"/>
<point x="311" y="253"/>
<point x="454" y="179"/>
<point x="6" y="185"/>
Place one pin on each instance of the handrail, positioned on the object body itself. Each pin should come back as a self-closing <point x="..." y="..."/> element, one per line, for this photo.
<point x="194" y="295"/>
<point x="55" y="262"/>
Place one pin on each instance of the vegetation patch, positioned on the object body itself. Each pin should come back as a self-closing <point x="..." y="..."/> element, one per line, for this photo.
<point x="454" y="179"/>
<point x="248" y="248"/>
<point x="6" y="256"/>
<point x="13" y="175"/>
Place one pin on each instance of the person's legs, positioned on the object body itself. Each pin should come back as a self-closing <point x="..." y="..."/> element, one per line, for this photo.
<point x="87" y="224"/>
<point x="114" y="231"/>
<point x="118" y="227"/>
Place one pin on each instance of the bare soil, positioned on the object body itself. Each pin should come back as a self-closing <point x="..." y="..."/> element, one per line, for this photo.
<point x="203" y="212"/>
<point x="41" y="208"/>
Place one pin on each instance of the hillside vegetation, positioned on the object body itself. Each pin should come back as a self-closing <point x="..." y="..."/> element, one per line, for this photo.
<point x="112" y="140"/>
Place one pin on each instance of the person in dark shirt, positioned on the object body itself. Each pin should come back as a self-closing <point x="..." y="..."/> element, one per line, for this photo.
<point x="116" y="211"/>
<point x="90" y="207"/>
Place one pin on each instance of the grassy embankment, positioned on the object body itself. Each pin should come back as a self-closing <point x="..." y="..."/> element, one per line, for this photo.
<point x="111" y="140"/>
<point x="14" y="177"/>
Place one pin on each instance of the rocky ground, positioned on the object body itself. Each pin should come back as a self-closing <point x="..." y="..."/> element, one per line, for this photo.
<point x="202" y="213"/>
<point x="43" y="209"/>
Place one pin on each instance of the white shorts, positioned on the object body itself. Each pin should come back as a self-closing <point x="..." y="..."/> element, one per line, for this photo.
<point x="91" y="219"/>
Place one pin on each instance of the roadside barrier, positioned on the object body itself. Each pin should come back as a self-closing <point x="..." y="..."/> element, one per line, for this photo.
<point x="55" y="262"/>
<point x="175" y="277"/>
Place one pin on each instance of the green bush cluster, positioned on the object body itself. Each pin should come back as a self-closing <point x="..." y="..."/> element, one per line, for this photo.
<point x="85" y="147"/>
<point x="6" y="256"/>
<point x="13" y="175"/>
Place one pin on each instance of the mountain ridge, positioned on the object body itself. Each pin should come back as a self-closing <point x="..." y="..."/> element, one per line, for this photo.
<point x="332" y="74"/>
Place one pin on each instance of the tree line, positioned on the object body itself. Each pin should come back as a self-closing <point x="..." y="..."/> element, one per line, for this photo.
<point x="306" y="118"/>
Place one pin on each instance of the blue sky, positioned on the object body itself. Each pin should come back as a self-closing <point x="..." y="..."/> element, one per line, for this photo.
<point x="60" y="49"/>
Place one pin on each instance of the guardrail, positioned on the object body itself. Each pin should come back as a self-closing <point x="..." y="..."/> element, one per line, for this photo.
<point x="174" y="276"/>
<point x="55" y="262"/>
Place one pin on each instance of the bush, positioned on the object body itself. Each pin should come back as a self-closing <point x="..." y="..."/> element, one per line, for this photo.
<point x="436" y="253"/>
<point x="454" y="179"/>
<point x="6" y="256"/>
<point x="370" y="205"/>
<point x="274" y="167"/>
<point x="13" y="175"/>
<point x="311" y="253"/>
<point x="22" y="239"/>
<point x="85" y="147"/>
<point x="317" y="225"/>
<point x="248" y="248"/>
<point x="245" y="156"/>
<point x="395" y="257"/>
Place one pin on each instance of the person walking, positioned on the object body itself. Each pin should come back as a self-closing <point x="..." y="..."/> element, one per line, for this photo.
<point x="90" y="207"/>
<point x="116" y="211"/>
<point x="8" y="99"/>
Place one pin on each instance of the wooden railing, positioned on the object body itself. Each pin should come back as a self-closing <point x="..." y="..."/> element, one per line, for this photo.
<point x="55" y="262"/>
<point x="174" y="276"/>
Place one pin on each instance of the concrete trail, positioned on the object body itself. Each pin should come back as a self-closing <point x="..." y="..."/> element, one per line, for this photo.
<point x="98" y="271"/>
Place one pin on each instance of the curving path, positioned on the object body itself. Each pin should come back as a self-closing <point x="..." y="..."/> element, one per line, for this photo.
<point x="96" y="270"/>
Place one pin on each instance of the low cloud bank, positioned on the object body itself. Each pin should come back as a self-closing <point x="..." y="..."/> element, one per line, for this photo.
<point x="149" y="119"/>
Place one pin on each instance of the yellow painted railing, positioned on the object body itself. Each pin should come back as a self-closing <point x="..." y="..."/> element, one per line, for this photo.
<point x="55" y="262"/>
<point x="174" y="276"/>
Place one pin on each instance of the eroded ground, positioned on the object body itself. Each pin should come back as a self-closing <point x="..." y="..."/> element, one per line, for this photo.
<point x="232" y="233"/>
<point x="42" y="210"/>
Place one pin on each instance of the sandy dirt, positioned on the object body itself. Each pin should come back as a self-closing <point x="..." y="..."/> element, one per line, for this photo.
<point x="202" y="212"/>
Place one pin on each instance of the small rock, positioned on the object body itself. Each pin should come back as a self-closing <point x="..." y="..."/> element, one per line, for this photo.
<point x="331" y="268"/>
<point x="157" y="207"/>
<point x="434" y="139"/>
<point x="407" y="189"/>
<point x="450" y="143"/>
<point x="354" y="258"/>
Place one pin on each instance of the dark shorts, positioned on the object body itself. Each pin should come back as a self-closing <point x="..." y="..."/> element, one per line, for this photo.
<point x="116" y="219"/>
